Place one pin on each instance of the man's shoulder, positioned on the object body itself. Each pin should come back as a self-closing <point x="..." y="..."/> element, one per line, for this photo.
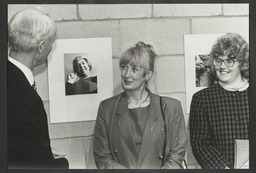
<point x="18" y="87"/>
<point x="14" y="73"/>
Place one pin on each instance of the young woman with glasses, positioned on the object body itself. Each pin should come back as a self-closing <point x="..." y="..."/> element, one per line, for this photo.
<point x="219" y="114"/>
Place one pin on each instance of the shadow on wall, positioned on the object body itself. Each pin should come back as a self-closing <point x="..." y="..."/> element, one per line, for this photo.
<point x="79" y="153"/>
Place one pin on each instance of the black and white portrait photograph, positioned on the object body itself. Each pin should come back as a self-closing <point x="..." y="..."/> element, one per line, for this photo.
<point x="78" y="79"/>
<point x="80" y="74"/>
<point x="204" y="76"/>
<point x="121" y="85"/>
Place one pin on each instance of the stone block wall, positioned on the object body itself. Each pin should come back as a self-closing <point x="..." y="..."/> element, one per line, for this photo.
<point x="161" y="25"/>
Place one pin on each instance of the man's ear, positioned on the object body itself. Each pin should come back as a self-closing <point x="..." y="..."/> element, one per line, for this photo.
<point x="40" y="46"/>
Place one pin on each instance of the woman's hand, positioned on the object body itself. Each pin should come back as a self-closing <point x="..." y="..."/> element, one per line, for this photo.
<point x="71" y="77"/>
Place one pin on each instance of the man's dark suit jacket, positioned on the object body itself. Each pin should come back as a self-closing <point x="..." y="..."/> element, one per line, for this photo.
<point x="28" y="135"/>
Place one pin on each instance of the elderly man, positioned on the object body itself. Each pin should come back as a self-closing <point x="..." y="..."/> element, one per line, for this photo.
<point x="31" y="33"/>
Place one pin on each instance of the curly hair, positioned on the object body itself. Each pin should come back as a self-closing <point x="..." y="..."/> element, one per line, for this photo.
<point x="233" y="46"/>
<point x="142" y="54"/>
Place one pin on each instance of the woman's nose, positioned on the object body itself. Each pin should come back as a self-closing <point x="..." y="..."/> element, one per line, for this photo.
<point x="128" y="73"/>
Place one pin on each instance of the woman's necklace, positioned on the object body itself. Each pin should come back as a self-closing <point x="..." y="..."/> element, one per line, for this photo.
<point x="144" y="101"/>
<point x="141" y="104"/>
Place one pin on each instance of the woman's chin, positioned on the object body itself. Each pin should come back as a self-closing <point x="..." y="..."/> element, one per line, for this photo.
<point x="127" y="87"/>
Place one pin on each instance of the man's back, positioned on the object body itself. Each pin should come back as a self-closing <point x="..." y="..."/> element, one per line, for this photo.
<point x="28" y="136"/>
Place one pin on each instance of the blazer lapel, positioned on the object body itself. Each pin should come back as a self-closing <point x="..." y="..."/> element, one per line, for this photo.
<point x="149" y="129"/>
<point x="123" y="124"/>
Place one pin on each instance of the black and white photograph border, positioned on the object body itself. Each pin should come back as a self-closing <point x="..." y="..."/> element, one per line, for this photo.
<point x="3" y="73"/>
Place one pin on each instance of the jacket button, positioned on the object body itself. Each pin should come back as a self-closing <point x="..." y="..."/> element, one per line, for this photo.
<point x="161" y="157"/>
<point x="115" y="150"/>
<point x="150" y="128"/>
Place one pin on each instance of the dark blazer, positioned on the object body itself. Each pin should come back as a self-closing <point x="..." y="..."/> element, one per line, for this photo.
<point x="28" y="136"/>
<point x="82" y="86"/>
<point x="113" y="146"/>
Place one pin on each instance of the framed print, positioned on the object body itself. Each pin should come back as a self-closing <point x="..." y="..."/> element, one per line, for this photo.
<point x="80" y="76"/>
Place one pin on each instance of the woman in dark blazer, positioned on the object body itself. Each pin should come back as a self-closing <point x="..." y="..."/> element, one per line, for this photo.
<point x="138" y="129"/>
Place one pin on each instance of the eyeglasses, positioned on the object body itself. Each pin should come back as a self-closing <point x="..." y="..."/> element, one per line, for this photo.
<point x="227" y="62"/>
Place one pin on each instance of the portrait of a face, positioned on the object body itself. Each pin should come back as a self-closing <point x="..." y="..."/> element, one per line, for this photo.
<point x="79" y="75"/>
<point x="81" y="67"/>
<point x="227" y="70"/>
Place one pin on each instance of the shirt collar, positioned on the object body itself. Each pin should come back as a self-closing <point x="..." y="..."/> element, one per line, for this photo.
<point x="27" y="72"/>
<point x="240" y="87"/>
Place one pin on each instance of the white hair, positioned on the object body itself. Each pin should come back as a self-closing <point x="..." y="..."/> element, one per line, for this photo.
<point x="28" y="27"/>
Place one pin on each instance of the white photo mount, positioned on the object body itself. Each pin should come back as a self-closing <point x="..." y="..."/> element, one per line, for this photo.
<point x="195" y="44"/>
<point x="81" y="107"/>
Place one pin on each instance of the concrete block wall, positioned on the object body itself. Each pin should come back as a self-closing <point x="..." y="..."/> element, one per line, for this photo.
<point x="161" y="25"/>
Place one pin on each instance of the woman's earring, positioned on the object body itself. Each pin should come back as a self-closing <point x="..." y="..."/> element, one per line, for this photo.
<point x="147" y="79"/>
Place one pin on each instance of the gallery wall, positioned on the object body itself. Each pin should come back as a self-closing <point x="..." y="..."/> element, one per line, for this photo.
<point x="161" y="25"/>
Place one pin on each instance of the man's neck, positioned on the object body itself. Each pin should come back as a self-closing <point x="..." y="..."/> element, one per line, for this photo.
<point x="26" y="59"/>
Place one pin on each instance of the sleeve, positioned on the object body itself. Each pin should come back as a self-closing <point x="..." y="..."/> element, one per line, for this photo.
<point x="40" y="151"/>
<point x="205" y="153"/>
<point x="101" y="147"/>
<point x="176" y="139"/>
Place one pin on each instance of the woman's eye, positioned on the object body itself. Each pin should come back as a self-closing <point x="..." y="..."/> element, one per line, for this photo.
<point x="229" y="61"/>
<point x="135" y="69"/>
<point x="123" y="66"/>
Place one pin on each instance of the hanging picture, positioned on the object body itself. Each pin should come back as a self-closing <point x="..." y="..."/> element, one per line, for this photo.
<point x="197" y="63"/>
<point x="80" y="76"/>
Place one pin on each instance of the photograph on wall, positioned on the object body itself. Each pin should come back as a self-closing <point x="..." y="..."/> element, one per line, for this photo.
<point x="80" y="76"/>
<point x="197" y="62"/>
<point x="204" y="77"/>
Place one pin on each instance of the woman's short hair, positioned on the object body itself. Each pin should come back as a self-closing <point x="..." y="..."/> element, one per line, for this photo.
<point x="233" y="46"/>
<point x="28" y="27"/>
<point x="75" y="63"/>
<point x="142" y="54"/>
